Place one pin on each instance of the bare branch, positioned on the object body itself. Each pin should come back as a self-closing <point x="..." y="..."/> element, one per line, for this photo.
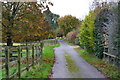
<point x="4" y="25"/>
<point x="6" y="6"/>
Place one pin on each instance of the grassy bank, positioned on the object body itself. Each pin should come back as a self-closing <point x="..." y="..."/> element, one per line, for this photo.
<point x="107" y="69"/>
<point x="43" y="69"/>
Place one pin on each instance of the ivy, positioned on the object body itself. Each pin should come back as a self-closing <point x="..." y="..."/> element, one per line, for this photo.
<point x="99" y="31"/>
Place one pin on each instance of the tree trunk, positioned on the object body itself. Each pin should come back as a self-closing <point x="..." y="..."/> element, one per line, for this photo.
<point x="9" y="41"/>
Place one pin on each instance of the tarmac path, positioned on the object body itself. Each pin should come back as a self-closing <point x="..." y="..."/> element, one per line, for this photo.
<point x="69" y="64"/>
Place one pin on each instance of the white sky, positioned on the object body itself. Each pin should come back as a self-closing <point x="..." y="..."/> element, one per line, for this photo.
<point x="77" y="8"/>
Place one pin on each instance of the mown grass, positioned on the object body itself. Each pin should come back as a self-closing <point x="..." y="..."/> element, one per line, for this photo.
<point x="47" y="60"/>
<point x="43" y="69"/>
<point x="109" y="70"/>
<point x="12" y="70"/>
<point x="61" y="39"/>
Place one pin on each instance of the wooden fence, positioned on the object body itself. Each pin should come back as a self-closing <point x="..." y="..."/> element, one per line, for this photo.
<point x="115" y="60"/>
<point x="32" y="56"/>
<point x="112" y="59"/>
<point x="50" y="42"/>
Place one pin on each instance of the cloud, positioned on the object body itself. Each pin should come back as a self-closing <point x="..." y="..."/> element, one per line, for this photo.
<point x="78" y="8"/>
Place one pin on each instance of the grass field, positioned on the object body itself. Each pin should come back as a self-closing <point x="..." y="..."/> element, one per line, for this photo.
<point x="12" y="70"/>
<point x="44" y="66"/>
<point x="43" y="69"/>
<point x="14" y="44"/>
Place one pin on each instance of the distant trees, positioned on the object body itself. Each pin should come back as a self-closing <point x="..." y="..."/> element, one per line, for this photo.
<point x="52" y="19"/>
<point x="68" y="23"/>
<point x="59" y="32"/>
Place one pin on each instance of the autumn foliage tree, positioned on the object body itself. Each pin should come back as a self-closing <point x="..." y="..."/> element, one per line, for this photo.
<point x="34" y="26"/>
<point x="23" y="21"/>
<point x="9" y="13"/>
<point x="68" y="23"/>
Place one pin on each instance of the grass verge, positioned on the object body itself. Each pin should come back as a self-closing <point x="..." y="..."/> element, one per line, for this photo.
<point x="109" y="70"/>
<point x="43" y="69"/>
<point x="61" y="39"/>
<point x="72" y="67"/>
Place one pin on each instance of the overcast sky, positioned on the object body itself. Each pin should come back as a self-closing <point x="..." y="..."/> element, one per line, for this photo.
<point x="77" y="8"/>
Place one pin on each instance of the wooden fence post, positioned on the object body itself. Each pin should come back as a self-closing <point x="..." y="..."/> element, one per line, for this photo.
<point x="7" y="54"/>
<point x="36" y="53"/>
<point x="39" y="48"/>
<point x="56" y="41"/>
<point x="33" y="55"/>
<point x="21" y="51"/>
<point x="19" y="61"/>
<point x="27" y="64"/>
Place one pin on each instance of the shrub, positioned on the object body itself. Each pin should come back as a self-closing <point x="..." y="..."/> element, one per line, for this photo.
<point x="77" y="40"/>
<point x="71" y="36"/>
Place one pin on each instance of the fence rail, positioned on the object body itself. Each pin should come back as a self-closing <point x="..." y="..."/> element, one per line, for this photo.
<point x="50" y="42"/>
<point x="28" y="60"/>
<point x="22" y="57"/>
<point x="112" y="59"/>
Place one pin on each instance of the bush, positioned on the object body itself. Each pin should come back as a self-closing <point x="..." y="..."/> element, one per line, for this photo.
<point x="72" y="37"/>
<point x="77" y="41"/>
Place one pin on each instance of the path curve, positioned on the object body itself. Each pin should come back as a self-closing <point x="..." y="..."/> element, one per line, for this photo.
<point x="60" y="69"/>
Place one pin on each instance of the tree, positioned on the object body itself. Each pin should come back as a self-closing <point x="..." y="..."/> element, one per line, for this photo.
<point x="86" y="32"/>
<point x="32" y="25"/>
<point x="9" y="13"/>
<point x="105" y="34"/>
<point x="89" y="35"/>
<point x="118" y="32"/>
<point x="12" y="12"/>
<point x="52" y="19"/>
<point x="59" y="32"/>
<point x="68" y="23"/>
